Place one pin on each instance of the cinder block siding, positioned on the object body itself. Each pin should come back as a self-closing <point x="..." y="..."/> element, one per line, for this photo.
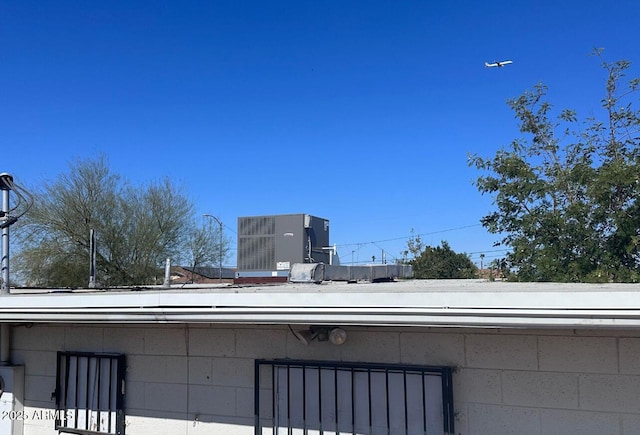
<point x="199" y="379"/>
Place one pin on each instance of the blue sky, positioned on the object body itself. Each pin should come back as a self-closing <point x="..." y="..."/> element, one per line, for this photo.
<point x="359" y="112"/>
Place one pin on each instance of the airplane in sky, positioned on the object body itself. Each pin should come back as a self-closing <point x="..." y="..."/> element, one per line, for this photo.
<point x="498" y="64"/>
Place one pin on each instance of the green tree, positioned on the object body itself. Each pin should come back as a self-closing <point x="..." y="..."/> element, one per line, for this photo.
<point x="137" y="228"/>
<point x="566" y="195"/>
<point x="440" y="262"/>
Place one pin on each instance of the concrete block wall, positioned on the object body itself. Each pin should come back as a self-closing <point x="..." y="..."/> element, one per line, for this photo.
<point x="198" y="379"/>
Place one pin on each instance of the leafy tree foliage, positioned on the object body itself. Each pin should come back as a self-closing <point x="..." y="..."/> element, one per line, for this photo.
<point x="567" y="194"/>
<point x="440" y="262"/>
<point x="137" y="228"/>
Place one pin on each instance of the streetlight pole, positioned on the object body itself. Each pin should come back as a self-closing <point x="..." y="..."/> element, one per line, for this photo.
<point x="220" y="244"/>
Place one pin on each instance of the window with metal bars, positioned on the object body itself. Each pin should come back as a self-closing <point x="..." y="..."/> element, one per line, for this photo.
<point x="321" y="397"/>
<point x="90" y="393"/>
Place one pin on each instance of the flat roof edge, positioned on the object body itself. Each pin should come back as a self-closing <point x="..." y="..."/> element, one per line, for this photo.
<point x="469" y="318"/>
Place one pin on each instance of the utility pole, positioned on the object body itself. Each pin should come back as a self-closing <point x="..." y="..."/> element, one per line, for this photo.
<point x="92" y="258"/>
<point x="220" y="244"/>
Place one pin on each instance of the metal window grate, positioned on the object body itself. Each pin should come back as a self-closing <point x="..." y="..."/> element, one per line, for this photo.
<point x="256" y="243"/>
<point x="90" y="393"/>
<point x="320" y="397"/>
<point x="257" y="226"/>
<point x="256" y="253"/>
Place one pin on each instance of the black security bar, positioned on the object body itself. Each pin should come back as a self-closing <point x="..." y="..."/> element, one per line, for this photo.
<point x="326" y="396"/>
<point x="90" y="385"/>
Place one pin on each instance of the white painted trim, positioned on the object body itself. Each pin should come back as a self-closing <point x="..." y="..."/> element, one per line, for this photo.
<point x="410" y="303"/>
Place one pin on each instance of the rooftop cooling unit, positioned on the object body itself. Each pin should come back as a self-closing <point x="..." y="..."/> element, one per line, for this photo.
<point x="269" y="245"/>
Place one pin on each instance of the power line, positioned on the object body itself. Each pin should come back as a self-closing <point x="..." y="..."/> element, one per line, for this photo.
<point x="490" y="250"/>
<point x="410" y="236"/>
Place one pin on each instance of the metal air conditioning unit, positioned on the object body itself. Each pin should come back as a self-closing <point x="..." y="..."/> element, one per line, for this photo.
<point x="269" y="245"/>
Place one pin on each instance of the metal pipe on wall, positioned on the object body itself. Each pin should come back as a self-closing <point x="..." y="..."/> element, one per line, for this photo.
<point x="6" y="180"/>
<point x="5" y="185"/>
<point x="5" y="344"/>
